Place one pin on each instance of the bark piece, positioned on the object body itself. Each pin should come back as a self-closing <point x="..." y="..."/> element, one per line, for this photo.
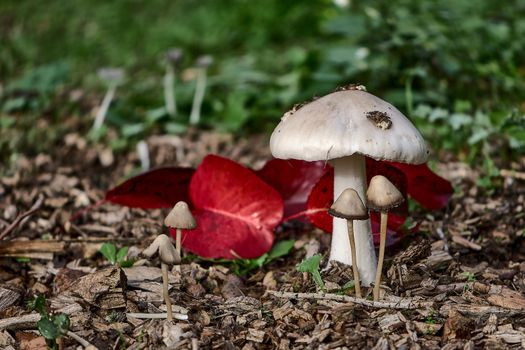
<point x="103" y="289"/>
<point x="457" y="326"/>
<point x="8" y="297"/>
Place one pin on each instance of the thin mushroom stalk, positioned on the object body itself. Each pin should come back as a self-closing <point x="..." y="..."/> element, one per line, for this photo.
<point x="357" y="279"/>
<point x="350" y="207"/>
<point x="178" y="243"/>
<point x="200" y="88"/>
<point x="382" y="196"/>
<point x="382" y="243"/>
<point x="165" y="291"/>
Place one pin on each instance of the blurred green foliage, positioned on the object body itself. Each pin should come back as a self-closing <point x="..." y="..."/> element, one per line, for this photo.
<point x="456" y="68"/>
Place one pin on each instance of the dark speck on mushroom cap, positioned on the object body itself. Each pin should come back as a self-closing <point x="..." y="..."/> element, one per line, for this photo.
<point x="346" y="122"/>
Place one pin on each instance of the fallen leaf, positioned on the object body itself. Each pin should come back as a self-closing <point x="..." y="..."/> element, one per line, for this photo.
<point x="429" y="189"/>
<point x="293" y="179"/>
<point x="235" y="210"/>
<point x="158" y="188"/>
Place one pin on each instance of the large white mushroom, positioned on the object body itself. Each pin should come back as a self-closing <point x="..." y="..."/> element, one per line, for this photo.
<point x="344" y="127"/>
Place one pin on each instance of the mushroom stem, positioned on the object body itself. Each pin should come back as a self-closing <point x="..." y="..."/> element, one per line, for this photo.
<point x="350" y="172"/>
<point x="103" y="109"/>
<point x="200" y="88"/>
<point x="167" y="300"/>
<point x="169" y="91"/>
<point x="178" y="242"/>
<point x="382" y="241"/>
<point x="357" y="281"/>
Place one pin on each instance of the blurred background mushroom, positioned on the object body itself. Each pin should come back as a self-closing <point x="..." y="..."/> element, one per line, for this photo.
<point x="112" y="77"/>
<point x="203" y="63"/>
<point x="173" y="61"/>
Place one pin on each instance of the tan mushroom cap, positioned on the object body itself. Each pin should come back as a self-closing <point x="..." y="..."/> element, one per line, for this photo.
<point x="180" y="217"/>
<point x="382" y="195"/>
<point x="349" y="206"/>
<point x="163" y="246"/>
<point x="344" y="123"/>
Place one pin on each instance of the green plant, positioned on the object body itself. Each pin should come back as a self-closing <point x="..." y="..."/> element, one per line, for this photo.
<point x="245" y="266"/>
<point x="430" y="319"/>
<point x="350" y="285"/>
<point x="51" y="327"/>
<point x="471" y="277"/>
<point x="109" y="251"/>
<point x="311" y="265"/>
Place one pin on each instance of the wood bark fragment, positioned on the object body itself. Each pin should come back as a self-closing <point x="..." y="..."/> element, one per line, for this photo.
<point x="478" y="311"/>
<point x="400" y="303"/>
<point x="29" y="321"/>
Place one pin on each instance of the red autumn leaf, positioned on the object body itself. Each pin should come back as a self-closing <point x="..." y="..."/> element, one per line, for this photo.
<point x="236" y="211"/>
<point x="293" y="179"/>
<point x="425" y="186"/>
<point x="159" y="188"/>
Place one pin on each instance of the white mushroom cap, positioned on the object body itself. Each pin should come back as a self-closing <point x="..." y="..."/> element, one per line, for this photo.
<point x="344" y="123"/>
<point x="180" y="217"/>
<point x="382" y="195"/>
<point x="111" y="75"/>
<point x="349" y="206"/>
<point x="167" y="252"/>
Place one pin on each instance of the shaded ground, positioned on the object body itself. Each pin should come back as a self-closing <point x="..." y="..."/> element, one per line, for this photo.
<point x="458" y="284"/>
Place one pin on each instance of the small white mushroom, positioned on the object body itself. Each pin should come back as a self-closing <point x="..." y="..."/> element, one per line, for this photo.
<point x="203" y="63"/>
<point x="180" y="218"/>
<point x="112" y="77"/>
<point x="168" y="256"/>
<point x="344" y="127"/>
<point x="173" y="59"/>
<point x="382" y="196"/>
<point x="350" y="207"/>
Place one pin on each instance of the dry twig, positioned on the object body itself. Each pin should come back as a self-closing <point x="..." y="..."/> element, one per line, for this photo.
<point x="402" y="303"/>
<point x="21" y="217"/>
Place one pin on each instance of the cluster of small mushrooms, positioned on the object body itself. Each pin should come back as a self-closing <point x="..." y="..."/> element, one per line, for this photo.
<point x="344" y="127"/>
<point x="382" y="196"/>
<point x="179" y="218"/>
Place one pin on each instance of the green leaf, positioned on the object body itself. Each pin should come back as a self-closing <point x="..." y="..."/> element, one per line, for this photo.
<point x="127" y="263"/>
<point x="47" y="328"/>
<point x="281" y="248"/>
<point x="38" y="304"/>
<point x="121" y="254"/>
<point x="62" y="323"/>
<point x="311" y="265"/>
<point x="110" y="252"/>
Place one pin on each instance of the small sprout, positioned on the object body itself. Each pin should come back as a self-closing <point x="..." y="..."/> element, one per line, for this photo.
<point x="311" y="265"/>
<point x="51" y="327"/>
<point x="469" y="276"/>
<point x="203" y="63"/>
<point x="180" y="218"/>
<point x="109" y="251"/>
<point x="382" y="196"/>
<point x="173" y="60"/>
<point x="112" y="77"/>
<point x="168" y="256"/>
